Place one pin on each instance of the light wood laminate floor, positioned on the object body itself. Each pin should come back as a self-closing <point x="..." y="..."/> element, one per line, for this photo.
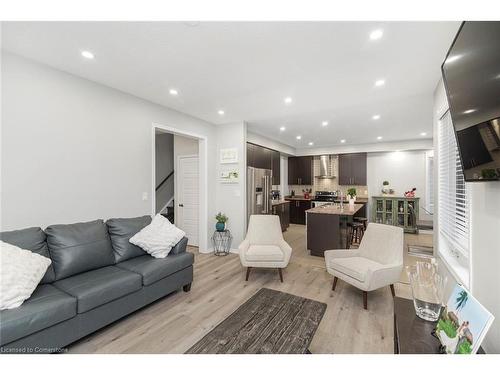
<point x="175" y="323"/>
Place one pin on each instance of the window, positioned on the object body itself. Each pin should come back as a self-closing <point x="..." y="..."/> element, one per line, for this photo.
<point x="429" y="172"/>
<point x="453" y="203"/>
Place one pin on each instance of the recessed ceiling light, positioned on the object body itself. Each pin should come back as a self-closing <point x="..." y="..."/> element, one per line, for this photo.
<point x="282" y="129"/>
<point x="287" y="100"/>
<point x="88" y="55"/>
<point x="173" y="92"/>
<point x="299" y="137"/>
<point x="376" y="117"/>
<point x="311" y="143"/>
<point x="469" y="111"/>
<point x="342" y="141"/>
<point x="379" y="82"/>
<point x="376" y="34"/>
<point x="423" y="134"/>
<point x="324" y="123"/>
<point x="379" y="137"/>
<point x="221" y="112"/>
<point x="453" y="58"/>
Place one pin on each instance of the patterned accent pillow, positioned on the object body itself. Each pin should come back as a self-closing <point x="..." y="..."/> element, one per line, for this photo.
<point x="20" y="273"/>
<point x="158" y="238"/>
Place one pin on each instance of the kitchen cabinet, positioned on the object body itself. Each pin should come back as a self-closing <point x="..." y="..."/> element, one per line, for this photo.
<point x="300" y="170"/>
<point x="265" y="158"/>
<point x="298" y="211"/>
<point x="283" y="211"/>
<point x="352" y="169"/>
<point x="397" y="211"/>
<point x="276" y="167"/>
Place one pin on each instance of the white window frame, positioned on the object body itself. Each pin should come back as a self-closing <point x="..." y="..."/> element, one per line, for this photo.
<point x="453" y="204"/>
<point x="429" y="181"/>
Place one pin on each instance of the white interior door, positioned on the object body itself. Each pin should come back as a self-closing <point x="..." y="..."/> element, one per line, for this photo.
<point x="188" y="197"/>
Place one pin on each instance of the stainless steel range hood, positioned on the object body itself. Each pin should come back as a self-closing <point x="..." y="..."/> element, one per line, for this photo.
<point x="325" y="167"/>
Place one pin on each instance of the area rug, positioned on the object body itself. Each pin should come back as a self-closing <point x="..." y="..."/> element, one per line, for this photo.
<point x="270" y="322"/>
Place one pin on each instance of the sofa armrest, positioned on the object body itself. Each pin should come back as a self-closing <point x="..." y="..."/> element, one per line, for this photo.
<point x="180" y="247"/>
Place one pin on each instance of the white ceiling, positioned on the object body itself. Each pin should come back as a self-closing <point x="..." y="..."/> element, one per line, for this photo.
<point x="248" y="68"/>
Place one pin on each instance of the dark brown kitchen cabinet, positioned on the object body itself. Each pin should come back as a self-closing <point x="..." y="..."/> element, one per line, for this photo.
<point x="276" y="166"/>
<point x="298" y="211"/>
<point x="352" y="169"/>
<point x="283" y="211"/>
<point x="300" y="170"/>
<point x="265" y="158"/>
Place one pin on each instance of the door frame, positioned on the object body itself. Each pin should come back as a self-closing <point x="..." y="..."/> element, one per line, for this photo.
<point x="177" y="164"/>
<point x="202" y="178"/>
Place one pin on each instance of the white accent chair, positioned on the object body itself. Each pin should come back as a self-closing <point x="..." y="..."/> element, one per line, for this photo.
<point x="377" y="263"/>
<point x="264" y="246"/>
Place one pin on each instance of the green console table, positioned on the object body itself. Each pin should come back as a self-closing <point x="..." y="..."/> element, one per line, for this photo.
<point x="397" y="211"/>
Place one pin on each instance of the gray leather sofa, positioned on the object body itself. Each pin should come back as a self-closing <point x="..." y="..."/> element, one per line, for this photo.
<point x="96" y="277"/>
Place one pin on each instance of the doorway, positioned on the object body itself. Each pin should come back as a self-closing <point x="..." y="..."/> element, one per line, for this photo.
<point x="188" y="201"/>
<point x="188" y="193"/>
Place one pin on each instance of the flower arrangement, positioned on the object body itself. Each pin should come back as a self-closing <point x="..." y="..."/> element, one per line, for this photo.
<point x="351" y="193"/>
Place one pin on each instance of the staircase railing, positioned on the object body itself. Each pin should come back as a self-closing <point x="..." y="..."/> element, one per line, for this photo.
<point x="164" y="180"/>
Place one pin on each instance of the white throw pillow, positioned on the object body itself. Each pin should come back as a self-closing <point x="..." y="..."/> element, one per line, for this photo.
<point x="20" y="272"/>
<point x="158" y="238"/>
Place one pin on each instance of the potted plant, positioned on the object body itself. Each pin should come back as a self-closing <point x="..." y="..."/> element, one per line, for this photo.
<point x="385" y="187"/>
<point x="221" y="222"/>
<point x="351" y="194"/>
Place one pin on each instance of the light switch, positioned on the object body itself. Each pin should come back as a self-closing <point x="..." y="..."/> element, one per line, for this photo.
<point x="144" y="196"/>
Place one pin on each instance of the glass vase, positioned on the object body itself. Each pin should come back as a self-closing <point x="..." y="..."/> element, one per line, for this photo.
<point x="427" y="287"/>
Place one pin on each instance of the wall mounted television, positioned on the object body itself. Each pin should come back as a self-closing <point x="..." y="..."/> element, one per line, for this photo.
<point x="471" y="75"/>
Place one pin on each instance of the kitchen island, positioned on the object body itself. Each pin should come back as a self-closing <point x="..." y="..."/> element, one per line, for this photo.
<point x="327" y="227"/>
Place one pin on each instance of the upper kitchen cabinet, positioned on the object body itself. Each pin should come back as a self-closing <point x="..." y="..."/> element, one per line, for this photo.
<point x="352" y="169"/>
<point x="276" y="167"/>
<point x="300" y="170"/>
<point x="265" y="158"/>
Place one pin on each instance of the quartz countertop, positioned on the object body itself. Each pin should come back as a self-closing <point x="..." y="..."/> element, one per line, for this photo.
<point x="280" y="201"/>
<point x="358" y="200"/>
<point x="335" y="210"/>
<point x="299" y="198"/>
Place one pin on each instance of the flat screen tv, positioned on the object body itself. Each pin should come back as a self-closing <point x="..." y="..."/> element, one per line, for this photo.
<point x="471" y="74"/>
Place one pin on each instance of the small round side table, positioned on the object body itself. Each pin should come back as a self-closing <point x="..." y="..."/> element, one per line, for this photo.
<point x="222" y="242"/>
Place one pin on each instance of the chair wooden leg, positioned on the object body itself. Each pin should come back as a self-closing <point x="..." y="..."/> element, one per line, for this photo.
<point x="335" y="279"/>
<point x="280" y="271"/>
<point x="392" y="291"/>
<point x="248" y="273"/>
<point x="365" y="300"/>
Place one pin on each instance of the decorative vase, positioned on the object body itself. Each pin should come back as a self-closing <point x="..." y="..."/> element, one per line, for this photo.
<point x="351" y="203"/>
<point x="386" y="189"/>
<point x="220" y="226"/>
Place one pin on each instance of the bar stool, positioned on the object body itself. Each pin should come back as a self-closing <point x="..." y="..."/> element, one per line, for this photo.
<point x="363" y="220"/>
<point x="358" y="230"/>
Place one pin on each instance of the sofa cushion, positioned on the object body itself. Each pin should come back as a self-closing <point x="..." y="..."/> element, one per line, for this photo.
<point x="153" y="269"/>
<point x="80" y="247"/>
<point x="120" y="231"/>
<point x="355" y="267"/>
<point x="265" y="253"/>
<point x="46" y="307"/>
<point x="97" y="287"/>
<point x="33" y="239"/>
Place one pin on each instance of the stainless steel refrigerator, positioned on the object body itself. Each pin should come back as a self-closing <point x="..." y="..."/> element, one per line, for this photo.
<point x="259" y="186"/>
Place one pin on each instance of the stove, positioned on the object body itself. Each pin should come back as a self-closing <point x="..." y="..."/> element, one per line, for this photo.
<point x="324" y="197"/>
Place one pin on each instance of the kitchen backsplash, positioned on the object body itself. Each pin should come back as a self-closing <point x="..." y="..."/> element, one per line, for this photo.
<point x="327" y="184"/>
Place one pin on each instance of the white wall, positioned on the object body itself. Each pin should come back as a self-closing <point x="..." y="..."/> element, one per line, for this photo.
<point x="404" y="170"/>
<point x="231" y="198"/>
<point x="484" y="239"/>
<point x="74" y="150"/>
